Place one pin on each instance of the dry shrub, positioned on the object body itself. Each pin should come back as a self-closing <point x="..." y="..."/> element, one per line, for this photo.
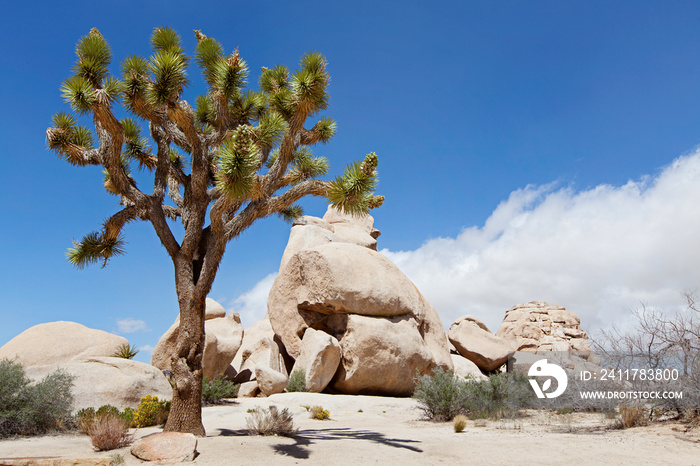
<point x="271" y="422"/>
<point x="108" y="432"/>
<point x="632" y="416"/>
<point x="317" y="412"/>
<point x="460" y="422"/>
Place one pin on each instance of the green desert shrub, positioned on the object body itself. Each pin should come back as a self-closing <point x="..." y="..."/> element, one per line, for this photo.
<point x="271" y="421"/>
<point x="297" y="382"/>
<point x="214" y="390"/>
<point x="442" y="396"/>
<point x="502" y="395"/>
<point x="86" y="417"/>
<point x="27" y="409"/>
<point x="126" y="351"/>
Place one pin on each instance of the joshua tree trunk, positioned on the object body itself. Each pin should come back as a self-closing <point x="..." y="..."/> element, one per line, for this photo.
<point x="186" y="362"/>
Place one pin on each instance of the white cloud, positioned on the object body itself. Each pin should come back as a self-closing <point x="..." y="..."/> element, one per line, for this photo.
<point x="598" y="252"/>
<point x="130" y="325"/>
<point x="146" y="349"/>
<point x="252" y="305"/>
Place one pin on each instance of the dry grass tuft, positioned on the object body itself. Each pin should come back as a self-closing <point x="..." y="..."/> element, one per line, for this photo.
<point x="459" y="422"/>
<point x="271" y="422"/>
<point x="632" y="416"/>
<point x="109" y="432"/>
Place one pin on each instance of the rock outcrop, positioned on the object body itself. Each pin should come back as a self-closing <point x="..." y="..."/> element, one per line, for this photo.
<point x="106" y="380"/>
<point x="222" y="341"/>
<point x="60" y="342"/>
<point x="466" y="369"/>
<point x="318" y="360"/>
<point x="166" y="447"/>
<point x="537" y="326"/>
<point x="332" y="279"/>
<point x="474" y="341"/>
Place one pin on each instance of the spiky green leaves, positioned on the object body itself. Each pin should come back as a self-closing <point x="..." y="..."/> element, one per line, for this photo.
<point x="135" y="146"/>
<point x="95" y="247"/>
<point x="324" y="130"/>
<point x="291" y="213"/>
<point x="68" y="139"/>
<point x="166" y="40"/>
<point x="249" y="106"/>
<point x="229" y="75"/>
<point x="352" y="192"/>
<point x="78" y="93"/>
<point x="270" y="130"/>
<point x="94" y="57"/>
<point x="204" y="110"/>
<point x="238" y="162"/>
<point x="305" y="166"/>
<point x="309" y="84"/>
<point x="169" y="70"/>
<point x="207" y="54"/>
<point x="275" y="79"/>
<point x="135" y="75"/>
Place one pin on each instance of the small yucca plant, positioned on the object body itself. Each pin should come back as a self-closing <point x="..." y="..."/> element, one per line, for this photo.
<point x="126" y="351"/>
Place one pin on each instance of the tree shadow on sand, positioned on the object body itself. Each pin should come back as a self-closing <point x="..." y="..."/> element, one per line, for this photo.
<point x="303" y="440"/>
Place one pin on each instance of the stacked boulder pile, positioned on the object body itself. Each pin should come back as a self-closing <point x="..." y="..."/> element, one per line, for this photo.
<point x="344" y="314"/>
<point x="537" y="326"/>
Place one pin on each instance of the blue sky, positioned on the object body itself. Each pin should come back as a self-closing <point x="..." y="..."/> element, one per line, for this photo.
<point x="528" y="151"/>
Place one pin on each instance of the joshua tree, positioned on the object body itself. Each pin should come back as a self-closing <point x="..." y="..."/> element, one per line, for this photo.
<point x="236" y="157"/>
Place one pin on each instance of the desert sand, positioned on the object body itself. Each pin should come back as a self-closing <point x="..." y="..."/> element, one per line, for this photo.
<point x="381" y="430"/>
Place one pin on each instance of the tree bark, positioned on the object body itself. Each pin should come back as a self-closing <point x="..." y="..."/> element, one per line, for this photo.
<point x="186" y="361"/>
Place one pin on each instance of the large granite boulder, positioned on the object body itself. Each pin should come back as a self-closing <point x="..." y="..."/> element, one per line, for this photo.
<point x="60" y="342"/>
<point x="474" y="341"/>
<point x="537" y="326"/>
<point x="318" y="360"/>
<point x="106" y="380"/>
<point x="331" y="268"/>
<point x="380" y="356"/>
<point x="464" y="368"/>
<point x="223" y="336"/>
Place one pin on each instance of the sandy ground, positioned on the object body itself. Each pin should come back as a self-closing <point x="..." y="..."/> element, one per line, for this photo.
<point x="377" y="430"/>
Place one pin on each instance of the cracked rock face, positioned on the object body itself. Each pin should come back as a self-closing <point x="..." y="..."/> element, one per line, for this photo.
<point x="537" y="326"/>
<point x="332" y="279"/>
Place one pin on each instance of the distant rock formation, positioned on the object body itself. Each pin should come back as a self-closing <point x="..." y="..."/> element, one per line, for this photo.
<point x="60" y="342"/>
<point x="537" y="326"/>
<point x="333" y="280"/>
